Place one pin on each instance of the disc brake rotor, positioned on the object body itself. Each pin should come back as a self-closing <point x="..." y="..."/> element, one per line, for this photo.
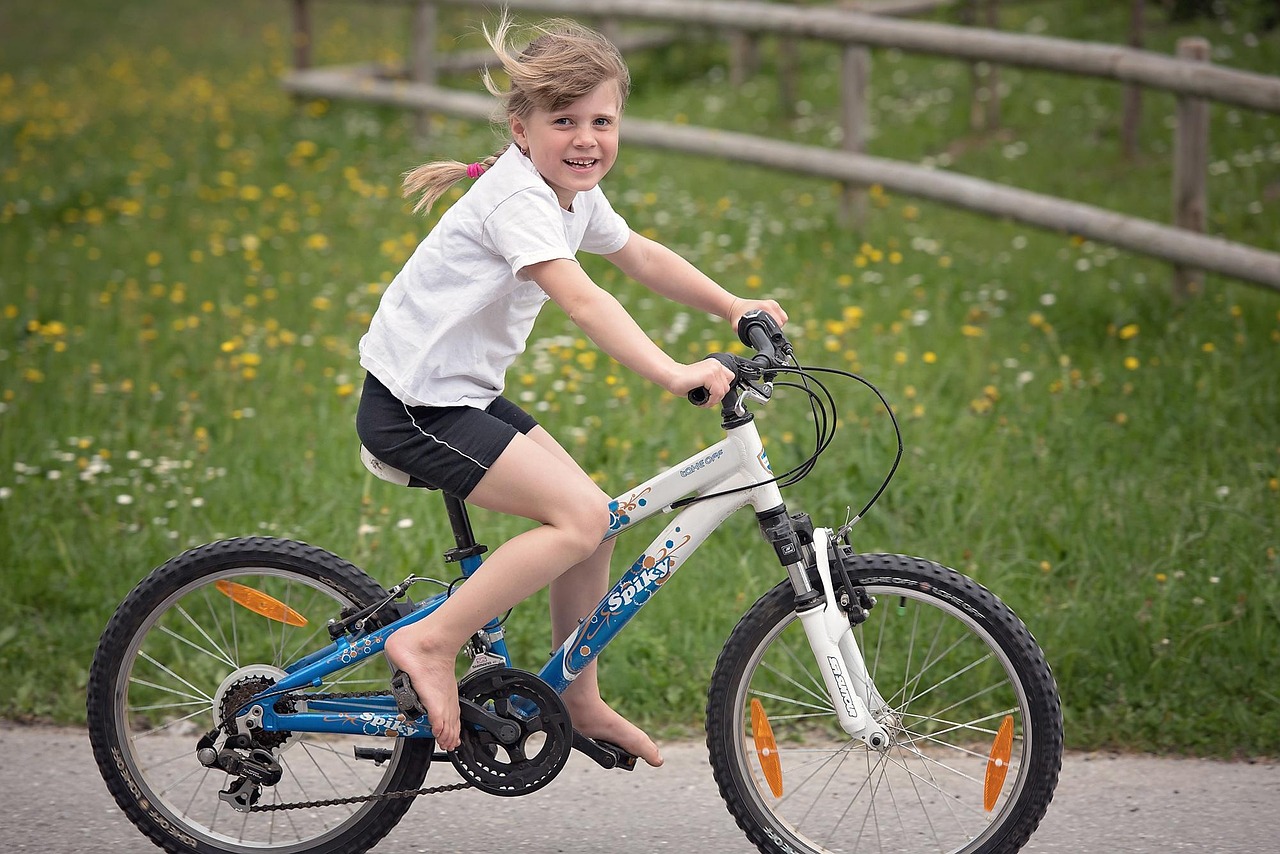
<point x="543" y="744"/>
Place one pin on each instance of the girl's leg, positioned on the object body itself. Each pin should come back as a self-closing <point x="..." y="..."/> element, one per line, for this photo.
<point x="573" y="596"/>
<point x="526" y="480"/>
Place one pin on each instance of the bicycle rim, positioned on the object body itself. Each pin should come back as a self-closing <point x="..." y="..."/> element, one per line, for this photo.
<point x="951" y="687"/>
<point x="198" y="646"/>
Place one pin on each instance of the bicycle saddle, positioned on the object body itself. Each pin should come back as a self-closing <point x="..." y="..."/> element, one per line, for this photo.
<point x="380" y="469"/>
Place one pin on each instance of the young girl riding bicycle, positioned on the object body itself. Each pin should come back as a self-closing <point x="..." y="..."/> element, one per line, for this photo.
<point x="459" y="313"/>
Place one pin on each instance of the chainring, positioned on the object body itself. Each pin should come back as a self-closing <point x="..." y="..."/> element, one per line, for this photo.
<point x="545" y="733"/>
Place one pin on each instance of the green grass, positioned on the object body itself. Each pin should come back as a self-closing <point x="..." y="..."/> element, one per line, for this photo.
<point x="188" y="259"/>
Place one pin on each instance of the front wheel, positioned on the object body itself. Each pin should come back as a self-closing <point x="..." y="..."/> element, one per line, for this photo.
<point x="185" y="649"/>
<point x="973" y="713"/>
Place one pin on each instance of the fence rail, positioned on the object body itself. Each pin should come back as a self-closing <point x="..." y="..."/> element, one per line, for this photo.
<point x="1192" y="79"/>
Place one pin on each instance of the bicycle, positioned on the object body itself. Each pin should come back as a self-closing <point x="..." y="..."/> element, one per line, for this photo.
<point x="868" y="702"/>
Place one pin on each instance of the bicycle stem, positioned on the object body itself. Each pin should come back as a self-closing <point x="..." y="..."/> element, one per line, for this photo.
<point x="838" y="657"/>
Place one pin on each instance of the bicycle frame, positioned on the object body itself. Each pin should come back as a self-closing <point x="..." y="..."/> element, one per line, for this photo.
<point x="738" y="462"/>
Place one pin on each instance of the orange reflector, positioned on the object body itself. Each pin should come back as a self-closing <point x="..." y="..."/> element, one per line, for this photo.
<point x="998" y="764"/>
<point x="260" y="603"/>
<point x="766" y="748"/>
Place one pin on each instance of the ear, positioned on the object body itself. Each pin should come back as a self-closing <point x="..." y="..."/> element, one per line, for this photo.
<point x="519" y="134"/>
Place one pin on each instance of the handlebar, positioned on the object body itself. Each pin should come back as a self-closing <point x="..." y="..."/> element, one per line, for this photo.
<point x="759" y="331"/>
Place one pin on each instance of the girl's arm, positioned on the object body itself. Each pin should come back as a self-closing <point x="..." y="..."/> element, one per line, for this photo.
<point x="598" y="314"/>
<point x="668" y="274"/>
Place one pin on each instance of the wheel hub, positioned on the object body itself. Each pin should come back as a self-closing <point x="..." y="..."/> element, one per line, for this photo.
<point x="240" y="687"/>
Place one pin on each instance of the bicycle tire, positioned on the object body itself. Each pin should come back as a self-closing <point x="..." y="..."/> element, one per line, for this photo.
<point x="951" y="660"/>
<point x="177" y="644"/>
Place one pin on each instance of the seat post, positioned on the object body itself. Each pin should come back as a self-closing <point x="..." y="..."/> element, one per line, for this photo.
<point x="463" y="536"/>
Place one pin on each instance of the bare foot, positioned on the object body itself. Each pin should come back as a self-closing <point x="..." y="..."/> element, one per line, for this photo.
<point x="432" y="675"/>
<point x="594" y="718"/>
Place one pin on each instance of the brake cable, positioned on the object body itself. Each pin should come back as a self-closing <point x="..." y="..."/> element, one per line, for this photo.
<point x="825" y="417"/>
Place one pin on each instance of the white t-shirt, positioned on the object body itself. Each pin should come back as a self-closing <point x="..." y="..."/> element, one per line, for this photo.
<point x="461" y="310"/>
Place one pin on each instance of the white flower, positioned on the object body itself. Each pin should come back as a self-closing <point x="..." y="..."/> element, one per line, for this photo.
<point x="124" y="499"/>
<point x="404" y="523"/>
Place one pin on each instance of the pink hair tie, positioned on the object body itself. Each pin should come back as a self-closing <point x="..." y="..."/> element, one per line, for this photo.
<point x="475" y="170"/>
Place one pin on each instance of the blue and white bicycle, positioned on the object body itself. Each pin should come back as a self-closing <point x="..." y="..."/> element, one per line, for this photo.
<point x="238" y="700"/>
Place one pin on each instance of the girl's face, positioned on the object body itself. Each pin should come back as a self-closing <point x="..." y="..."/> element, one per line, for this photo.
<point x="573" y="148"/>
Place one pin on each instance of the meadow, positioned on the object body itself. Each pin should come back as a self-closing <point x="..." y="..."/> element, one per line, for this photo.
<point x="188" y="259"/>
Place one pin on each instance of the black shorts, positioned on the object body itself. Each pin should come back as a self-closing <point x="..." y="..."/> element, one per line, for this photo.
<point x="444" y="447"/>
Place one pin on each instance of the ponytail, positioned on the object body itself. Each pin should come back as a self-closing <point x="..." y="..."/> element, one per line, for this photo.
<point x="430" y="181"/>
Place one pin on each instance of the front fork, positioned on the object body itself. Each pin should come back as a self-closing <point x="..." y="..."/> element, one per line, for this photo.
<point x="835" y="649"/>
<point x="838" y="656"/>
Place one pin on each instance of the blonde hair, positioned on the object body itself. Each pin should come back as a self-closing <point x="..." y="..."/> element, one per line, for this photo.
<point x="564" y="62"/>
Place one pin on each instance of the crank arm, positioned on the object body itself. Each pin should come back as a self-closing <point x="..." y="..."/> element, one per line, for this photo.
<point x="505" y="731"/>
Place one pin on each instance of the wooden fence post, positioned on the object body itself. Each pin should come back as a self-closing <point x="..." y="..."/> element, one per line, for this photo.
<point x="855" y="76"/>
<point x="301" y="35"/>
<point x="984" y="109"/>
<point x="1190" y="167"/>
<point x="1132" y="91"/>
<point x="744" y="57"/>
<point x="422" y="56"/>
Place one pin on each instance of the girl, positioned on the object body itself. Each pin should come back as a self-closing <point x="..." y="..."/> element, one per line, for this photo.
<point x="458" y="315"/>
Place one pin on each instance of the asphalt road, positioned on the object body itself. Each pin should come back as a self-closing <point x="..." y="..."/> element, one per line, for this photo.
<point x="55" y="803"/>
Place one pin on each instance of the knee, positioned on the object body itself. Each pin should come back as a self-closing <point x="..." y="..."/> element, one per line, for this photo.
<point x="586" y="520"/>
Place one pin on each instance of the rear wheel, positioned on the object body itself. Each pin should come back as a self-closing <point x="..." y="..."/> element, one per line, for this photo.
<point x="973" y="713"/>
<point x="184" y="649"/>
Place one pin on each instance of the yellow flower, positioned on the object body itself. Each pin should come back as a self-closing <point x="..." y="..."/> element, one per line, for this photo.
<point x="930" y="357"/>
<point x="1129" y="331"/>
<point x="971" y="331"/>
<point x="1131" y="363"/>
<point x="346" y="389"/>
<point x="1208" y="347"/>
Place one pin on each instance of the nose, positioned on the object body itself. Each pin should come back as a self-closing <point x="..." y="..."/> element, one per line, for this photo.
<point x="585" y="136"/>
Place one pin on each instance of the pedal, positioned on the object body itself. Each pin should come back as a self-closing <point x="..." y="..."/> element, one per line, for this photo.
<point x="606" y="754"/>
<point x="377" y="755"/>
<point x="407" y="700"/>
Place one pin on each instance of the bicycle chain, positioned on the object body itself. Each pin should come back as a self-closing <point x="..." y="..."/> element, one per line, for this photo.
<point x="354" y="799"/>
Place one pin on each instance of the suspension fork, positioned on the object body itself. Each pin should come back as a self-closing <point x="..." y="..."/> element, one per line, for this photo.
<point x="835" y="650"/>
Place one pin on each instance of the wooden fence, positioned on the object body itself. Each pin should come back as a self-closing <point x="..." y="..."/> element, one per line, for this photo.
<point x="1189" y="76"/>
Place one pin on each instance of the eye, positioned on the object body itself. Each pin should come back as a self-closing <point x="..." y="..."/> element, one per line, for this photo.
<point x="603" y="122"/>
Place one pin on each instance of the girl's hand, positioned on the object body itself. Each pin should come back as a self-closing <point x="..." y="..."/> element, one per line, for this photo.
<point x="741" y="306"/>
<point x="708" y="374"/>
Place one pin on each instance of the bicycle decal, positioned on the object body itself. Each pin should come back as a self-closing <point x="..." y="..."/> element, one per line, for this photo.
<point x="620" y="511"/>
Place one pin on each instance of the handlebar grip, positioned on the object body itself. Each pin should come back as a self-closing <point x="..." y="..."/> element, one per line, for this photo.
<point x="759" y="331"/>
<point x="700" y="395"/>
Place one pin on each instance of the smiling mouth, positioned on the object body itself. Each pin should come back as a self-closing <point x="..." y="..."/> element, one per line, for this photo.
<point x="581" y="164"/>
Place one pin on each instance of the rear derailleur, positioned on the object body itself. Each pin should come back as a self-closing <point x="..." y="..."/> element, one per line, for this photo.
<point x="251" y="767"/>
